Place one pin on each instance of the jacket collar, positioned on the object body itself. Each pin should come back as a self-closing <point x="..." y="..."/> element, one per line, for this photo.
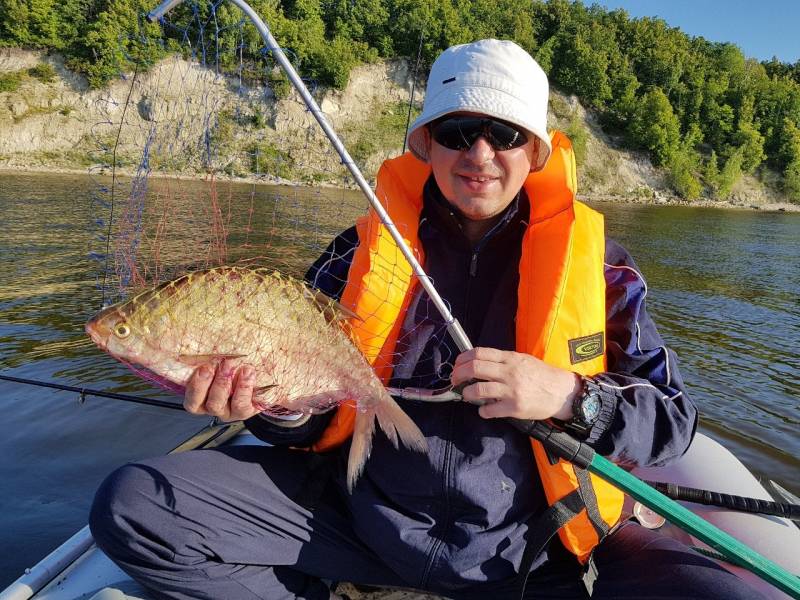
<point x="437" y="214"/>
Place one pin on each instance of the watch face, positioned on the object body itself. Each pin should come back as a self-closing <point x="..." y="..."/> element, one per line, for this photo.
<point x="590" y="407"/>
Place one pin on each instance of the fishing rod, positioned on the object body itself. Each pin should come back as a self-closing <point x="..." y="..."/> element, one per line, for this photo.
<point x="671" y="490"/>
<point x="413" y="88"/>
<point x="729" y="501"/>
<point x="618" y="477"/>
<point x="582" y="456"/>
<point x="83" y="392"/>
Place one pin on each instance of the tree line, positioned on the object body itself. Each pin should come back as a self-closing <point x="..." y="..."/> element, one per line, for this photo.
<point x="701" y="109"/>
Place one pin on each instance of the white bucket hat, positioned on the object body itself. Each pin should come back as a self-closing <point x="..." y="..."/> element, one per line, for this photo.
<point x="492" y="77"/>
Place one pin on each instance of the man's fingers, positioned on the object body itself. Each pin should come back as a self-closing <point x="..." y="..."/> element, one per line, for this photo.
<point x="197" y="388"/>
<point x="242" y="399"/>
<point x="493" y="354"/>
<point x="220" y="391"/>
<point x="481" y="391"/>
<point x="494" y="410"/>
<point x="465" y="356"/>
<point x="478" y="369"/>
<point x="480" y="353"/>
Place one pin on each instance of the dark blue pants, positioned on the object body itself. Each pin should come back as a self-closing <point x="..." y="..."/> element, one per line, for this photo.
<point x="250" y="522"/>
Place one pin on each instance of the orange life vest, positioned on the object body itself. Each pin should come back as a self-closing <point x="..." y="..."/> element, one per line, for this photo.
<point x="561" y="305"/>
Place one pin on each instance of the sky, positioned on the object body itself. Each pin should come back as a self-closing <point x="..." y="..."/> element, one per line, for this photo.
<point x="761" y="28"/>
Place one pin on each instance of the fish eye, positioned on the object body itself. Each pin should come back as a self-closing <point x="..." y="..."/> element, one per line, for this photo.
<point x="121" y="330"/>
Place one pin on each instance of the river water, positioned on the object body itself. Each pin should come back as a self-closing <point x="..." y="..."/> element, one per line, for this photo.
<point x="724" y="288"/>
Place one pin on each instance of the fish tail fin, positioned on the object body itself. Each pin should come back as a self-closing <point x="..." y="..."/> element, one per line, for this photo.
<point x="360" y="446"/>
<point x="395" y="423"/>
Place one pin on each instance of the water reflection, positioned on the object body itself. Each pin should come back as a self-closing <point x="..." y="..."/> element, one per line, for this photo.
<point x="724" y="290"/>
<point x="52" y="272"/>
<point x="181" y="225"/>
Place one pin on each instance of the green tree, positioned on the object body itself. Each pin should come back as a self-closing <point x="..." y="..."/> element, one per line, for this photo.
<point x="363" y="20"/>
<point x="711" y="174"/>
<point x="790" y="154"/>
<point x="581" y="67"/>
<point x="791" y="180"/>
<point x="748" y="138"/>
<point x="14" y="23"/>
<point x="117" y="41"/>
<point x="544" y="56"/>
<point x="48" y="24"/>
<point x="655" y="127"/>
<point x="682" y="167"/>
<point x="730" y="174"/>
<point x="624" y="86"/>
<point x="659" y="53"/>
<point x="718" y="121"/>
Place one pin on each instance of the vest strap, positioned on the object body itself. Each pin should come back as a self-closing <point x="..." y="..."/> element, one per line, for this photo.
<point x="542" y="528"/>
<point x="590" y="574"/>
<point x="590" y="500"/>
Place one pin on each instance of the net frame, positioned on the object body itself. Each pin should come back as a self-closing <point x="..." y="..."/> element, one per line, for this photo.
<point x="454" y="328"/>
<point x="131" y="240"/>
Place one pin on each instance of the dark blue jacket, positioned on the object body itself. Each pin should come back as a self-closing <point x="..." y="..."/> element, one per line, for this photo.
<point x="457" y="515"/>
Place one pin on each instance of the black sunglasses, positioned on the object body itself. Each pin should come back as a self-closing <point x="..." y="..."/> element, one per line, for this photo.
<point x="459" y="133"/>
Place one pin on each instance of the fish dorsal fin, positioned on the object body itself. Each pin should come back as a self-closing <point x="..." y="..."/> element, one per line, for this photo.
<point x="330" y="308"/>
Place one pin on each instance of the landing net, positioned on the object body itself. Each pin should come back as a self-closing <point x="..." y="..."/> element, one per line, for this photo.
<point x="208" y="157"/>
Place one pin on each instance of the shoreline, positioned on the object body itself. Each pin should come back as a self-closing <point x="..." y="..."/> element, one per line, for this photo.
<point x="658" y="198"/>
<point x="769" y="207"/>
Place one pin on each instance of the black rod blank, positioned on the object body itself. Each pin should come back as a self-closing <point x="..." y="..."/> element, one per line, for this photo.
<point x="729" y="501"/>
<point x="672" y="490"/>
<point x="82" y="391"/>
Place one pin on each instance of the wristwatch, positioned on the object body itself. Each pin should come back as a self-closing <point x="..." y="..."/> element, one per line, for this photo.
<point x="585" y="408"/>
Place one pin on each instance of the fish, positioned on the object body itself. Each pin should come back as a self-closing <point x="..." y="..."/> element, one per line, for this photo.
<point x="296" y="338"/>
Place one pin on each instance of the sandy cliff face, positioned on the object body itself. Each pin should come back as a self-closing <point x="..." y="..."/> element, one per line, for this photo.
<point x="191" y="120"/>
<point x="187" y="117"/>
<point x="64" y="124"/>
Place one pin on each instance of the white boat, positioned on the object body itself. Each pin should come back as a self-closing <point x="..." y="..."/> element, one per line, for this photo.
<point x="78" y="570"/>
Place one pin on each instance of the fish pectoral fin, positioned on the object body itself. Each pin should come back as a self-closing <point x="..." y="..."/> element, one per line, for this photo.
<point x="333" y="310"/>
<point x="342" y="312"/>
<point x="264" y="388"/>
<point x="195" y="360"/>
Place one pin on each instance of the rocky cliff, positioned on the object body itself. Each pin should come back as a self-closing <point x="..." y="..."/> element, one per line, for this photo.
<point x="186" y="119"/>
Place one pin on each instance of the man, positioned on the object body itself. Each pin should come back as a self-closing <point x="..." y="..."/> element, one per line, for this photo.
<point x="557" y="314"/>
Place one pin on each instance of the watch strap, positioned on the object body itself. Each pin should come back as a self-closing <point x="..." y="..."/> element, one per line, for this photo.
<point x="583" y="419"/>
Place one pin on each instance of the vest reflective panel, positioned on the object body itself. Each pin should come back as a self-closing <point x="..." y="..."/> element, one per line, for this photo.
<point x="561" y="298"/>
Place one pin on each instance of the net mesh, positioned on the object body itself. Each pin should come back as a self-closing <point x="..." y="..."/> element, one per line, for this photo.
<point x="210" y="159"/>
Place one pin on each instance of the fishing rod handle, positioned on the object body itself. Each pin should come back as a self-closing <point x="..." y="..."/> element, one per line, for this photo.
<point x="730" y="501"/>
<point x="556" y="442"/>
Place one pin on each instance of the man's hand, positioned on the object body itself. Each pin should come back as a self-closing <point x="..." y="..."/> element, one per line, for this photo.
<point x="226" y="394"/>
<point x="512" y="384"/>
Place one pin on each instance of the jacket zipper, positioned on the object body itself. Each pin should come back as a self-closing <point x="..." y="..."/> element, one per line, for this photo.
<point x="436" y="549"/>
<point x="473" y="271"/>
<point x="473" y="265"/>
<point x="439" y="543"/>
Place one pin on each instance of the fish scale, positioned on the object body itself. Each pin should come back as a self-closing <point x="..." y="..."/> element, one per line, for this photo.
<point x="296" y="339"/>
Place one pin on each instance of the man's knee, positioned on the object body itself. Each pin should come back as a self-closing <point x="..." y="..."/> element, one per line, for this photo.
<point x="123" y="505"/>
<point x="634" y="562"/>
